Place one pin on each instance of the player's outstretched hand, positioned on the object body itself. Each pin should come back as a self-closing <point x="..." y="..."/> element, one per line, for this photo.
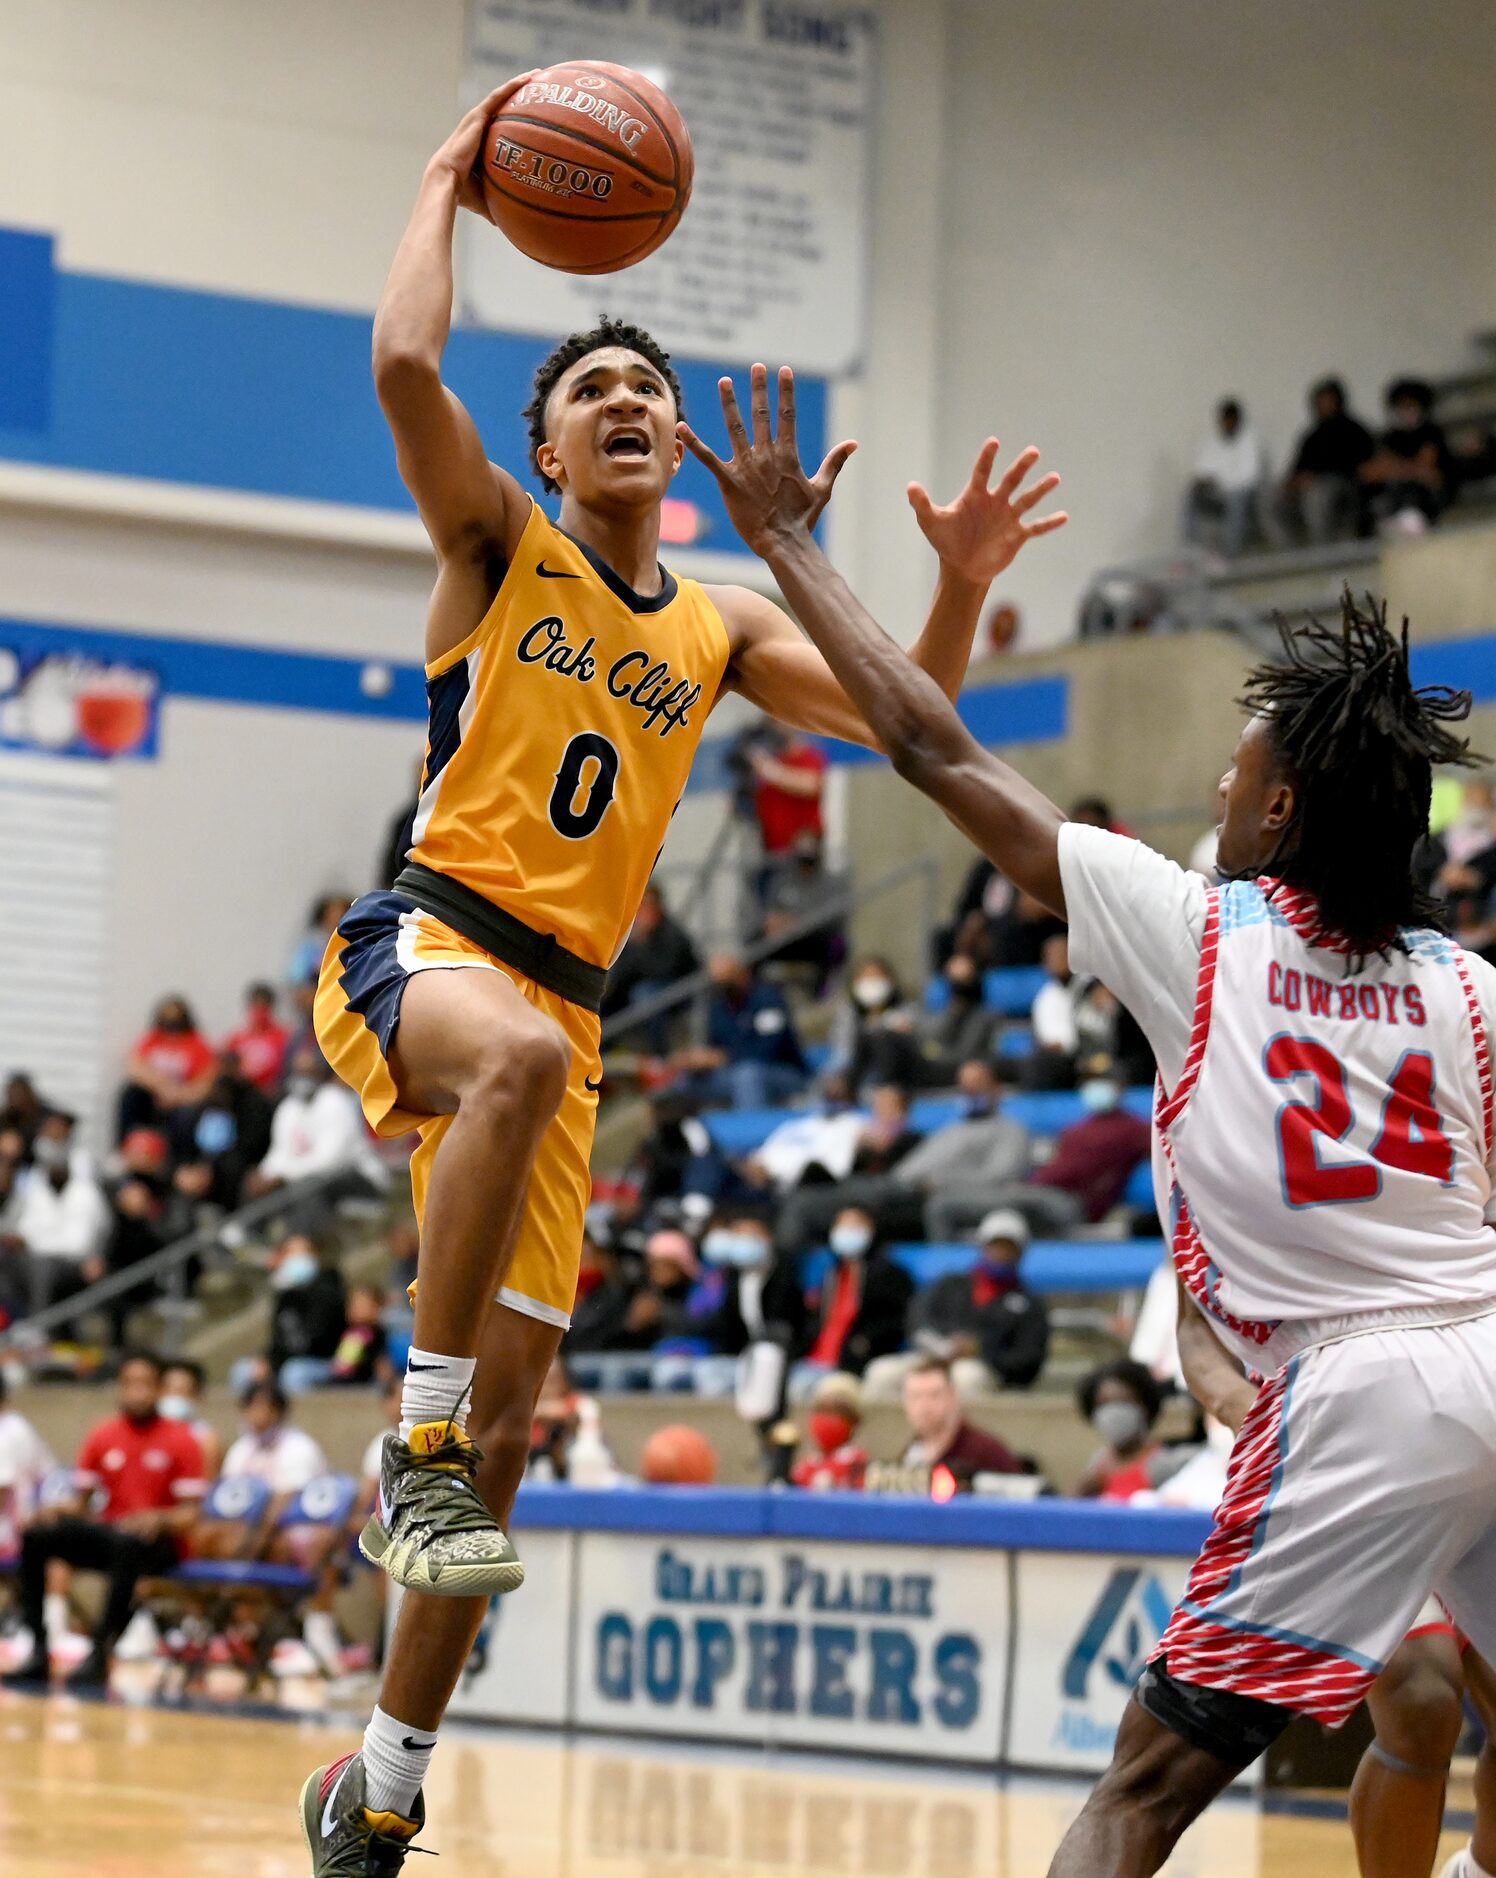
<point x="980" y="533"/>
<point x="459" y="154"/>
<point x="764" y="485"/>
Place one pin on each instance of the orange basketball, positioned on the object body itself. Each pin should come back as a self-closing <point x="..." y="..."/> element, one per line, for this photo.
<point x="587" y="168"/>
<point x="679" y="1456"/>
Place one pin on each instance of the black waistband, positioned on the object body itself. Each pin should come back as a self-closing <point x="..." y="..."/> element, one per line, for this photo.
<point x="537" y="955"/>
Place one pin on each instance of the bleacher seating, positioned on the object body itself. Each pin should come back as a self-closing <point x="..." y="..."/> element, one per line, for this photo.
<point x="1010" y="989"/>
<point x="1042" y="1112"/>
<point x="1091" y="1266"/>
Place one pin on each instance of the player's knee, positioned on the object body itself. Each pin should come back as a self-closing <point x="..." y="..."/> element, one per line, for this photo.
<point x="1420" y="1718"/>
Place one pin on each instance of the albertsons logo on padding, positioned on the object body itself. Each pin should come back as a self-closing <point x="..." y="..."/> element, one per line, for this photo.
<point x="1110" y="1653"/>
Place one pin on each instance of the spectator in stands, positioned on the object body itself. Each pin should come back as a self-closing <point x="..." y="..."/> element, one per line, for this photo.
<point x="25" y="1462"/>
<point x="230" y="1136"/>
<point x="752" y="1056"/>
<point x="835" y="1460"/>
<point x="1408" y="477"/>
<point x="600" y="1317"/>
<point x="182" y="1384"/>
<point x="750" y="1297"/>
<point x="858" y="1313"/>
<point x="150" y="1472"/>
<point x="789" y="778"/>
<point x="1121" y="1401"/>
<point x="1222" y="504"/>
<point x="657" y="954"/>
<point x="260" y="1043"/>
<point x="317" y="1128"/>
<point x="940" y="1435"/>
<point x="964" y="1030"/>
<point x="58" y="1221"/>
<point x="985" y="1147"/>
<point x="1052" y="1016"/>
<point x="306" y="960"/>
<point x="138" y="1199"/>
<point x="1321" y="497"/>
<point x="984" y="899"/>
<point x="1019" y="936"/>
<point x="1080" y="1183"/>
<point x="799" y="888"/>
<point x="171" y="1069"/>
<point x="992" y="1331"/>
<point x="874" y="1036"/>
<point x="1096" y="812"/>
<point x="21" y="1115"/>
<point x="362" y="1353"/>
<point x="677" y="1157"/>
<point x="308" y="1318"/>
<point x="1473" y="831"/>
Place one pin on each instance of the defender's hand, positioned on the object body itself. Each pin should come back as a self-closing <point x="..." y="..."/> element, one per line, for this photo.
<point x="767" y="493"/>
<point x="458" y="156"/>
<point x="980" y="533"/>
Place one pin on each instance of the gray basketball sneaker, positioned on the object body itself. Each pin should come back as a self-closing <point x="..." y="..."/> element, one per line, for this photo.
<point x="430" y="1530"/>
<point x="345" y="1839"/>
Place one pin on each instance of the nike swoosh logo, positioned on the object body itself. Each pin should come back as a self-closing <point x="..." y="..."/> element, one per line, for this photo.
<point x="554" y="573"/>
<point x="415" y="1747"/>
<point x="588" y="1083"/>
<point x="329" y="1817"/>
<point x="423" y="1368"/>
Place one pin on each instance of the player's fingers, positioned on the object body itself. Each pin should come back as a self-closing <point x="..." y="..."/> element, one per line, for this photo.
<point x="982" y="468"/>
<point x="834" y="462"/>
<point x="700" y="450"/>
<point x="787" y="407"/>
<point x="758" y="398"/>
<point x="734" y="416"/>
<point x="921" y="502"/>
<point x="1046" y="524"/>
<point x="1017" y="470"/>
<point x="1031" y="498"/>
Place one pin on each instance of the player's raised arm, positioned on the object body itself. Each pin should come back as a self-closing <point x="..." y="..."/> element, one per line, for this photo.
<point x="773" y="505"/>
<point x="467" y="503"/>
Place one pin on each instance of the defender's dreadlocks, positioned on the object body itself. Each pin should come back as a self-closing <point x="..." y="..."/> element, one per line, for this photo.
<point x="607" y="332"/>
<point x="1359" y="743"/>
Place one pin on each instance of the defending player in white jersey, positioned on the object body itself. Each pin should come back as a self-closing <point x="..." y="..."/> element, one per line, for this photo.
<point x="1325" y="1155"/>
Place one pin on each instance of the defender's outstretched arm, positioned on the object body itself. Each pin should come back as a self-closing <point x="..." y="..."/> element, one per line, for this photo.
<point x="772" y="504"/>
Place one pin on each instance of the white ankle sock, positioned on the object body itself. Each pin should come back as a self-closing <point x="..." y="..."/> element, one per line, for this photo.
<point x="436" y="1387"/>
<point x="319" y="1631"/>
<point x="57" y="1619"/>
<point x="393" y="1768"/>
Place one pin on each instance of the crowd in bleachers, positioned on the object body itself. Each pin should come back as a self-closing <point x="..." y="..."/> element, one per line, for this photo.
<point x="1343" y="479"/>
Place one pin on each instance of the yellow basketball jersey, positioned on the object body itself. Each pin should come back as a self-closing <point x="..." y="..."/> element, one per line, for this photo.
<point x="562" y="731"/>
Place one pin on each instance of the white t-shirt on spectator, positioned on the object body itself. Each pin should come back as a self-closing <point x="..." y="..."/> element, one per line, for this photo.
<point x="318" y="1134"/>
<point x="71" y="1224"/>
<point x="1053" y="1016"/>
<point x="1232" y="463"/>
<point x="25" y="1462"/>
<point x="285" y="1460"/>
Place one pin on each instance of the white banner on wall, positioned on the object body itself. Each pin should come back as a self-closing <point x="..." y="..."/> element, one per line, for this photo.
<point x="771" y="258"/>
<point x="891" y="1649"/>
<point x="1086" y="1624"/>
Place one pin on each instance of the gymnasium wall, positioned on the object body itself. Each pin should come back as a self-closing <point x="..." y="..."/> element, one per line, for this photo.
<point x="1087" y="222"/>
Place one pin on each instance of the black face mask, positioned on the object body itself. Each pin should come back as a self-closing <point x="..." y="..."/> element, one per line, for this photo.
<point x="964" y="991"/>
<point x="175" y="1025"/>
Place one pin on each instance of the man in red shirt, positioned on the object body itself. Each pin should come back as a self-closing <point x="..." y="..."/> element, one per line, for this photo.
<point x="150" y="1472"/>
<point x="788" y="780"/>
<point x="171" y="1069"/>
<point x="260" y="1043"/>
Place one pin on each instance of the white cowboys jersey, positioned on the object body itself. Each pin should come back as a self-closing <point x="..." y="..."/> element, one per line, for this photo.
<point x="1323" y="1156"/>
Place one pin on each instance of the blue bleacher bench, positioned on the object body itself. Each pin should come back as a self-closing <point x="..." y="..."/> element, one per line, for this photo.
<point x="1042" y="1112"/>
<point x="1010" y="989"/>
<point x="1049" y="1265"/>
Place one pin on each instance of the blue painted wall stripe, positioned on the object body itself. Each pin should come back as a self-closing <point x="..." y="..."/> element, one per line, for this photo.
<point x="129" y="378"/>
<point x="1467" y="664"/>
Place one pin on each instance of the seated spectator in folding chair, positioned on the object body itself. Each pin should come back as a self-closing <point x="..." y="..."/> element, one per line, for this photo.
<point x="150" y="1473"/>
<point x="182" y="1385"/>
<point x="58" y="1220"/>
<point x="230" y="1135"/>
<point x="308" y="1317"/>
<point x="25" y="1462"/>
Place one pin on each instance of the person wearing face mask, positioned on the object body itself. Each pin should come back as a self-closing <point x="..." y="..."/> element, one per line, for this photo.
<point x="317" y="1129"/>
<point x="1121" y="1401"/>
<point x="858" y="1313"/>
<point x="835" y="1461"/>
<point x="58" y="1222"/>
<point x="1081" y="1182"/>
<point x="308" y="1318"/>
<point x="171" y="1070"/>
<point x="1409" y="479"/>
<point x="748" y="1295"/>
<point x="874" y="1038"/>
<point x="230" y="1135"/>
<point x="964" y="1030"/>
<point x="985" y="1323"/>
<point x="181" y="1400"/>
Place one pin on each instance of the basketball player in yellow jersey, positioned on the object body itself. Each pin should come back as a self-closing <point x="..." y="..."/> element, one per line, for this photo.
<point x="569" y="678"/>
